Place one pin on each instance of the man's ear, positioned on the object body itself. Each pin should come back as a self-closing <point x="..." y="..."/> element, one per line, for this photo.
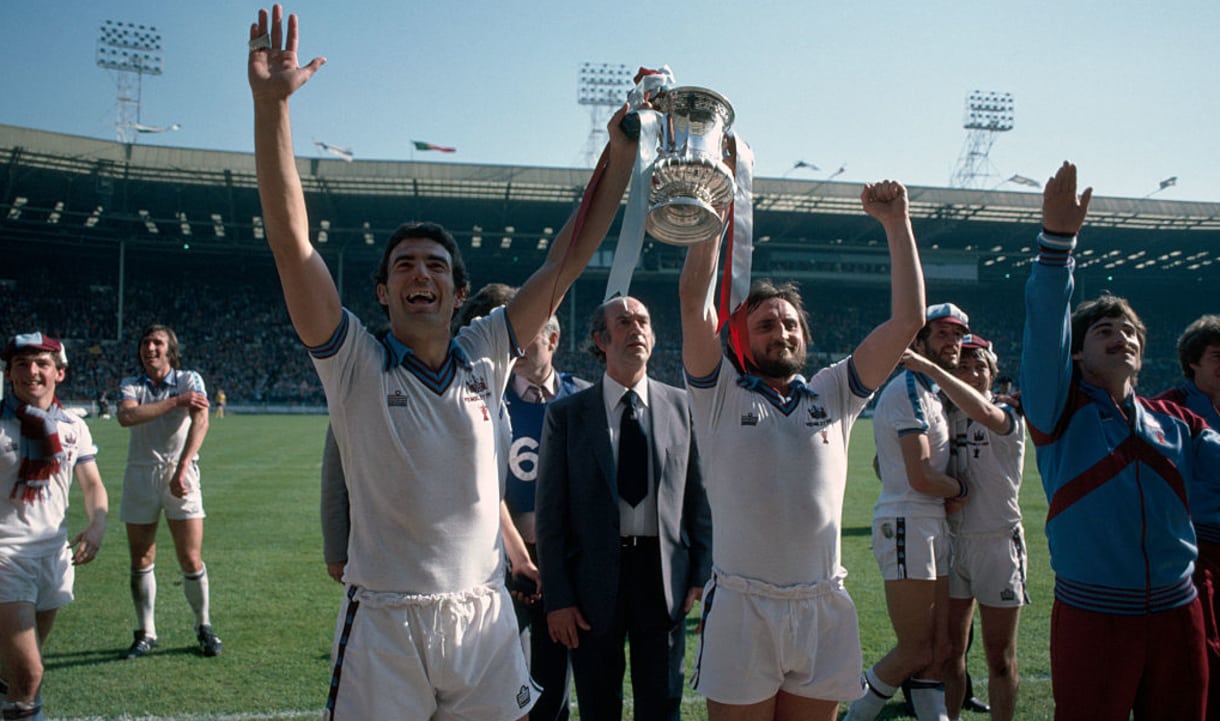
<point x="459" y="297"/>
<point x="382" y="294"/>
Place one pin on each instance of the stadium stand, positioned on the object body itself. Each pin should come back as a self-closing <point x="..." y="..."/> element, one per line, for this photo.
<point x="94" y="232"/>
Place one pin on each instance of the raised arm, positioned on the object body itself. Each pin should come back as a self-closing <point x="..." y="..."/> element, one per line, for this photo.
<point x="538" y="298"/>
<point x="1046" y="360"/>
<point x="971" y="402"/>
<point x="877" y="355"/>
<point x="701" y="350"/>
<point x="309" y="290"/>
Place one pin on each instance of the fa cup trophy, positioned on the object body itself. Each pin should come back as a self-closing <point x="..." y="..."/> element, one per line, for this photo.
<point x="692" y="186"/>
<point x="683" y="189"/>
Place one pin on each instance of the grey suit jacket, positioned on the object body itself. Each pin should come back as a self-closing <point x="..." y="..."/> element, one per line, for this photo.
<point x="577" y="504"/>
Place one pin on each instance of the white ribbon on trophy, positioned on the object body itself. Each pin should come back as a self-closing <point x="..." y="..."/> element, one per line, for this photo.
<point x="739" y="251"/>
<point x="631" y="234"/>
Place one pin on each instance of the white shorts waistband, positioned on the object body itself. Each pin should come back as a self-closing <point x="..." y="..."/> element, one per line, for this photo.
<point x="756" y="587"/>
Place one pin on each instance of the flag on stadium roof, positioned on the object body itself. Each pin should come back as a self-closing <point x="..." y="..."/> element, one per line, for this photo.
<point x="421" y="145"/>
<point x="1022" y="180"/>
<point x="345" y="153"/>
<point x="1170" y="181"/>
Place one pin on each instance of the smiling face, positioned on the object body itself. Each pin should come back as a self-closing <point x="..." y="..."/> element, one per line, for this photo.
<point x="156" y="355"/>
<point x="777" y="340"/>
<point x="1110" y="352"/>
<point x="943" y="344"/>
<point x="974" y="369"/>
<point x="419" y="282"/>
<point x="34" y="377"/>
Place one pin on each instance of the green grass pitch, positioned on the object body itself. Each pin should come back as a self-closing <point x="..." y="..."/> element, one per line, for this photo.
<point x="274" y="605"/>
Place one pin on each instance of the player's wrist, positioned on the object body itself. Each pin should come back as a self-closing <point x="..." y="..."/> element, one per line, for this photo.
<point x="963" y="489"/>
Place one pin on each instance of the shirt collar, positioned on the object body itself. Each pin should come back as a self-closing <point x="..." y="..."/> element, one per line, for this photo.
<point x="758" y="385"/>
<point x="550" y="386"/>
<point x="401" y="354"/>
<point x="612" y="391"/>
<point x="170" y="379"/>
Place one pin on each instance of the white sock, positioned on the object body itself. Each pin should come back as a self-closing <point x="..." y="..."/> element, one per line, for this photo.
<point x="877" y="693"/>
<point x="195" y="586"/>
<point x="144" y="596"/>
<point x="928" y="698"/>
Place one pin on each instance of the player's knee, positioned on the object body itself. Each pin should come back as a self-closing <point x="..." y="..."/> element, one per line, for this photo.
<point x="190" y="560"/>
<point x="916" y="656"/>
<point x="1002" y="665"/>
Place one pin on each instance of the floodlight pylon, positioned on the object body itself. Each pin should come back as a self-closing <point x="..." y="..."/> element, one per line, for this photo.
<point x="131" y="51"/>
<point x="987" y="114"/>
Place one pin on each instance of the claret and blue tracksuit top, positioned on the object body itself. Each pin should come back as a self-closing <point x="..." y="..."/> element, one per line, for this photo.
<point x="1205" y="507"/>
<point x="1122" y="482"/>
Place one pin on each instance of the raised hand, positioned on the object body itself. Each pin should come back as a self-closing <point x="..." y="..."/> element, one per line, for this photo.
<point x="913" y="361"/>
<point x="1063" y="211"/>
<point x="620" y="143"/>
<point x="274" y="72"/>
<point x="886" y="200"/>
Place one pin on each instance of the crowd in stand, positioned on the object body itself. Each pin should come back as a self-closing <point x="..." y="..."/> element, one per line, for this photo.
<point x="237" y="335"/>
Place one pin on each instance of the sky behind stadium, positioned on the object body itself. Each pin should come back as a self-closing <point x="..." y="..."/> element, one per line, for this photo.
<point x="1127" y="89"/>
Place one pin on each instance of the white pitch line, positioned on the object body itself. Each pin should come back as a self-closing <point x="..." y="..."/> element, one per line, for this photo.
<point x="688" y="699"/>
<point x="269" y="716"/>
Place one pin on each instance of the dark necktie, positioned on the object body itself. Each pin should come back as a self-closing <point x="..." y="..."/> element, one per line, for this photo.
<point x="632" y="453"/>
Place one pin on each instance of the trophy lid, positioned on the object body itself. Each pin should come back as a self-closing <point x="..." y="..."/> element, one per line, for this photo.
<point x="695" y="101"/>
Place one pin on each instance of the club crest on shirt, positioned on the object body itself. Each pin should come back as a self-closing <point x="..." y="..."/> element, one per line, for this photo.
<point x="1155" y="428"/>
<point x="523" y="697"/>
<point x="749" y="419"/>
<point x="397" y="400"/>
<point x="818" y="416"/>
<point x="477" y="385"/>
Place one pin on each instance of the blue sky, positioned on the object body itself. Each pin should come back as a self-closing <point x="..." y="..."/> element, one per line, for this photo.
<point x="1128" y="90"/>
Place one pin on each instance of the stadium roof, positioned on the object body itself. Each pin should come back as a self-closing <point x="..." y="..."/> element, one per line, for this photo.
<point x="70" y="189"/>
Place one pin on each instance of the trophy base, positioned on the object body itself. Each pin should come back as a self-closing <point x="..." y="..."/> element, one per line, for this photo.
<point x="683" y="221"/>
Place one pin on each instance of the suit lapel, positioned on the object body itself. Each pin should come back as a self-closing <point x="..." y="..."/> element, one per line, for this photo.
<point x="656" y="424"/>
<point x="661" y="425"/>
<point x="599" y="436"/>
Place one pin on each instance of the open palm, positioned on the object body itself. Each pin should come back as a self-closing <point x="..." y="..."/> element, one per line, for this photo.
<point x="275" y="72"/>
